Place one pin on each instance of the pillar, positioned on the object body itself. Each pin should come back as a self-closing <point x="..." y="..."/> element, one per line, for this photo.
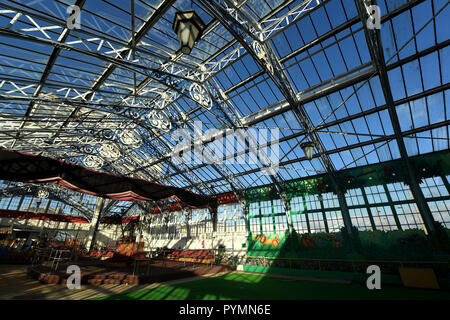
<point x="93" y="227"/>
<point x="188" y="214"/>
<point x="244" y="208"/>
<point x="287" y="209"/>
<point x="344" y="211"/>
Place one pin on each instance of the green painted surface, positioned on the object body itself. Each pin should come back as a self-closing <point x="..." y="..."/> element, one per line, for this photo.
<point x="334" y="275"/>
<point x="238" y="286"/>
<point x="430" y="165"/>
<point x="295" y="245"/>
<point x="405" y="245"/>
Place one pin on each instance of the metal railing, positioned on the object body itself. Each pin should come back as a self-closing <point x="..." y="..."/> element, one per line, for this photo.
<point x="189" y="258"/>
<point x="345" y="265"/>
<point x="50" y="257"/>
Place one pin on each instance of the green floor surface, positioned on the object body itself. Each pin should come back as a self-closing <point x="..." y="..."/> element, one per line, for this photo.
<point x="241" y="286"/>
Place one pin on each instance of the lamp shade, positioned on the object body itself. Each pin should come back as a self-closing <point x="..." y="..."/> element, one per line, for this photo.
<point x="308" y="149"/>
<point x="189" y="28"/>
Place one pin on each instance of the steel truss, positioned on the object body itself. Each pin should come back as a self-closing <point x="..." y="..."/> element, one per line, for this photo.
<point x="136" y="120"/>
<point x="373" y="38"/>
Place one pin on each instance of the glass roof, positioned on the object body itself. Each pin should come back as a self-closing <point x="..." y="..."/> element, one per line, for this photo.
<point x="101" y="98"/>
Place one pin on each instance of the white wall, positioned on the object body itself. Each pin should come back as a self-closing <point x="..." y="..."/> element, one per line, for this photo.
<point x="24" y="223"/>
<point x="231" y="241"/>
<point x="108" y="235"/>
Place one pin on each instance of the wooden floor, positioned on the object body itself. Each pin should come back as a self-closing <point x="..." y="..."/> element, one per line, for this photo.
<point x="15" y="284"/>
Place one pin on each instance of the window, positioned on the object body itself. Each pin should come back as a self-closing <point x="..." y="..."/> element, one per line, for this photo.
<point x="267" y="224"/>
<point x="265" y="207"/>
<point x="334" y="221"/>
<point x="441" y="211"/>
<point x="14" y="203"/>
<point x="330" y="200"/>
<point x="316" y="222"/>
<point x="354" y="197"/>
<point x="299" y="222"/>
<point x="297" y="204"/>
<point x="434" y="187"/>
<point x="312" y="202"/>
<point x="25" y="204"/>
<point x="360" y="218"/>
<point x="240" y="225"/>
<point x="277" y="206"/>
<point x="254" y="226"/>
<point x="280" y="224"/>
<point x="4" y="202"/>
<point x="376" y="194"/>
<point x="408" y="215"/>
<point x="230" y="225"/>
<point x="221" y="219"/>
<point x="399" y="192"/>
<point x="383" y="218"/>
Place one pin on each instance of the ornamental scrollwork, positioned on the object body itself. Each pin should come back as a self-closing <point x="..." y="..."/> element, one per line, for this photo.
<point x="43" y="194"/>
<point x="262" y="55"/>
<point x="159" y="119"/>
<point x="130" y="137"/>
<point x="200" y="95"/>
<point x="109" y="151"/>
<point x="90" y="149"/>
<point x="93" y="161"/>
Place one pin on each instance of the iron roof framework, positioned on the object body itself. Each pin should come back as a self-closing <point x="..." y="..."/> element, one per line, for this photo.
<point x="111" y="94"/>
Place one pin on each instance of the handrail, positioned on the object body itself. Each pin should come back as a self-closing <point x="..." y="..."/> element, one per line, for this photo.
<point x="236" y="253"/>
<point x="348" y="260"/>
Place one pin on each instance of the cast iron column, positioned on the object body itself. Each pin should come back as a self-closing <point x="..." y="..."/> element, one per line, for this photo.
<point x="93" y="228"/>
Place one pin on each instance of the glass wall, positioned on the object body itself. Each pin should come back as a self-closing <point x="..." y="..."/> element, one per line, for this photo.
<point x="382" y="207"/>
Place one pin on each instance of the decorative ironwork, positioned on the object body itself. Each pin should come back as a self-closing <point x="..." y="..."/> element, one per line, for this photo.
<point x="43" y="194"/>
<point x="200" y="95"/>
<point x="93" y="162"/>
<point x="262" y="55"/>
<point x="109" y="151"/>
<point x="159" y="120"/>
<point x="130" y="137"/>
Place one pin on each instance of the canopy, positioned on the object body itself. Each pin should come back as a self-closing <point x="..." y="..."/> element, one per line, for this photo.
<point x="23" y="167"/>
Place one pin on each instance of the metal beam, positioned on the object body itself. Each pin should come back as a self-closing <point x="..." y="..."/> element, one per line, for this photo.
<point x="54" y="55"/>
<point x="248" y="33"/>
<point x="373" y="39"/>
<point x="349" y="147"/>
